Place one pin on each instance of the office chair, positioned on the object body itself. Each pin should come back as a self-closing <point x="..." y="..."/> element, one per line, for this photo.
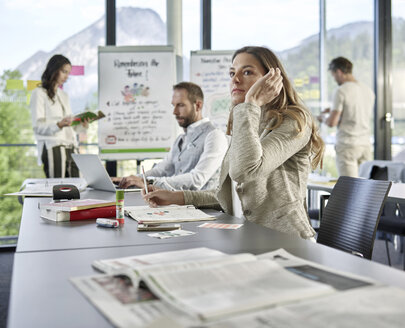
<point x="392" y="220"/>
<point x="351" y="215"/>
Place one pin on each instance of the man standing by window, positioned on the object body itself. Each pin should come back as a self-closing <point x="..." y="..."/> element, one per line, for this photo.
<point x="353" y="103"/>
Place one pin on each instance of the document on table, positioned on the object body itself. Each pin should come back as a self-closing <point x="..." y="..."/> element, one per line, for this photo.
<point x="44" y="187"/>
<point x="171" y="234"/>
<point x="173" y="213"/>
<point x="242" y="290"/>
<point x="371" y="307"/>
<point x="134" y="262"/>
<point x="321" y="273"/>
<point x="228" y="288"/>
<point x="125" y="303"/>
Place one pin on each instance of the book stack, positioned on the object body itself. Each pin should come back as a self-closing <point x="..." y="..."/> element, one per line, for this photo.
<point x="79" y="209"/>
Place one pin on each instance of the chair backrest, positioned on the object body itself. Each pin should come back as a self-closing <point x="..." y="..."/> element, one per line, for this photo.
<point x="350" y="218"/>
<point x="395" y="171"/>
<point x="384" y="170"/>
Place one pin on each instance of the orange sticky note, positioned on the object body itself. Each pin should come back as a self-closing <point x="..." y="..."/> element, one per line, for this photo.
<point x="32" y="84"/>
<point x="14" y="85"/>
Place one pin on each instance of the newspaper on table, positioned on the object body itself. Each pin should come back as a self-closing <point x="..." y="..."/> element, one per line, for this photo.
<point x="117" y="294"/>
<point x="131" y="263"/>
<point x="219" y="290"/>
<point x="166" y="214"/>
<point x="125" y="303"/>
<point x="371" y="307"/>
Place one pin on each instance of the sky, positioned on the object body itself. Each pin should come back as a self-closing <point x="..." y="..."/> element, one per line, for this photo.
<point x="27" y="26"/>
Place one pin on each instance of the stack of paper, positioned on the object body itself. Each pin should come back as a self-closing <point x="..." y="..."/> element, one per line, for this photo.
<point x="79" y="209"/>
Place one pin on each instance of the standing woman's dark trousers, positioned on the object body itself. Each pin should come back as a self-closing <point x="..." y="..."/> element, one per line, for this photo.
<point x="58" y="162"/>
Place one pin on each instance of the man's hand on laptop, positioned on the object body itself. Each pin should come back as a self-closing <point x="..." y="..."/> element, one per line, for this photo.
<point x="130" y="181"/>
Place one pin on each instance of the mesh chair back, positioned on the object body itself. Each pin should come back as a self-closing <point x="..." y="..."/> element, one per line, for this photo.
<point x="350" y="218"/>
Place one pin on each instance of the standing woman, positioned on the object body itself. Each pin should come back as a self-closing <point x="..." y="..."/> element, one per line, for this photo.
<point x="274" y="145"/>
<point x="51" y="119"/>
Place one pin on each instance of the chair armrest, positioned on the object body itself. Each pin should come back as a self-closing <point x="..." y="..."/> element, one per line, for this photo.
<point x="357" y="253"/>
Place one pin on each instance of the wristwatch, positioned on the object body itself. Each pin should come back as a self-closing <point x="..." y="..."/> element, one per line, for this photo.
<point x="150" y="181"/>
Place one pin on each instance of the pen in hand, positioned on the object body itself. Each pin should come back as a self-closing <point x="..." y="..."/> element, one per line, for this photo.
<point x="144" y="180"/>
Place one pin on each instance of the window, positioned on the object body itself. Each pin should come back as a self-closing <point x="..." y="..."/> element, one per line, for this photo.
<point x="398" y="77"/>
<point x="290" y="28"/>
<point x="191" y="32"/>
<point x="140" y="22"/>
<point x="32" y="31"/>
<point x="349" y="33"/>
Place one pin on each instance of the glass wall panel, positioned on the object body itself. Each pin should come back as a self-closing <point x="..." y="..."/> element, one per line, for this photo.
<point x="33" y="31"/>
<point x="140" y="22"/>
<point x="143" y="22"/>
<point x="398" y="79"/>
<point x="290" y="28"/>
<point x="349" y="33"/>
<point x="191" y="32"/>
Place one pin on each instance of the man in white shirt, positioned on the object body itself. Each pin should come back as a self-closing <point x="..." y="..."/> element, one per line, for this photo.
<point x="194" y="161"/>
<point x="353" y="104"/>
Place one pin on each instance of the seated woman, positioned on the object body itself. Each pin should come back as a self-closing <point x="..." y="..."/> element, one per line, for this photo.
<point x="274" y="145"/>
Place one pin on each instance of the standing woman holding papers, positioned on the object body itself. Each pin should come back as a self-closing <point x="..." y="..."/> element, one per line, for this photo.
<point x="51" y="119"/>
<point x="274" y="145"/>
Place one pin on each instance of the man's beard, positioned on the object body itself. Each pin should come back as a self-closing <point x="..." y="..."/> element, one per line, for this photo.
<point x="186" y="121"/>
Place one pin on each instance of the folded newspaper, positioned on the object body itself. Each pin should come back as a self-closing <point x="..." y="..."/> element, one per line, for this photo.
<point x="231" y="289"/>
<point x="166" y="214"/>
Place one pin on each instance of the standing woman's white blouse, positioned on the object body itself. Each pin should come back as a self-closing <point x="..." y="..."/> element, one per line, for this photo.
<point x="45" y="115"/>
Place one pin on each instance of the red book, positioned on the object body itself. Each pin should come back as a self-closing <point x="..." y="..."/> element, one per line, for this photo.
<point x="91" y="213"/>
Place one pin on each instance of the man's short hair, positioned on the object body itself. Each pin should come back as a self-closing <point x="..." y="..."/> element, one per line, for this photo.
<point x="194" y="91"/>
<point x="342" y="63"/>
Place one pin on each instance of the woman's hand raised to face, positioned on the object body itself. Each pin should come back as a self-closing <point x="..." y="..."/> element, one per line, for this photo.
<point x="265" y="89"/>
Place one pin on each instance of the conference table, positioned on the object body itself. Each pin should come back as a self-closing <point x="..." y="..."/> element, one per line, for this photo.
<point x="49" y="253"/>
<point x="395" y="195"/>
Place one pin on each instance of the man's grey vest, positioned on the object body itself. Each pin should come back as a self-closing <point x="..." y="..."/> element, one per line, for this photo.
<point x="186" y="159"/>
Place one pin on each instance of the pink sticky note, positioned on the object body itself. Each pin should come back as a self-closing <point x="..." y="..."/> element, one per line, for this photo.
<point x="77" y="70"/>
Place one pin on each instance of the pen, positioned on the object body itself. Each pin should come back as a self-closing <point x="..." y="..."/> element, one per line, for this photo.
<point x="144" y="179"/>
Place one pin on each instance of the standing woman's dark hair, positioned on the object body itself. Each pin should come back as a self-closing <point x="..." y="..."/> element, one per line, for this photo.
<point x="50" y="75"/>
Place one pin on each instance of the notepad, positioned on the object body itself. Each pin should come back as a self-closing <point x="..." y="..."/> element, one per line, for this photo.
<point x="173" y="213"/>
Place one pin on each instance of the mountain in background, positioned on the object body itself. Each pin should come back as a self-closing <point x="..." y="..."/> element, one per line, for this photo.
<point x="135" y="26"/>
<point x="138" y="26"/>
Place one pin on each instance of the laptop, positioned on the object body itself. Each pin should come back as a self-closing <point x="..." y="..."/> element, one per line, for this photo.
<point x="95" y="173"/>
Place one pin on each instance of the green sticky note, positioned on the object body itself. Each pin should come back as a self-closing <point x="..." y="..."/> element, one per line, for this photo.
<point x="15" y="85"/>
<point x="28" y="98"/>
